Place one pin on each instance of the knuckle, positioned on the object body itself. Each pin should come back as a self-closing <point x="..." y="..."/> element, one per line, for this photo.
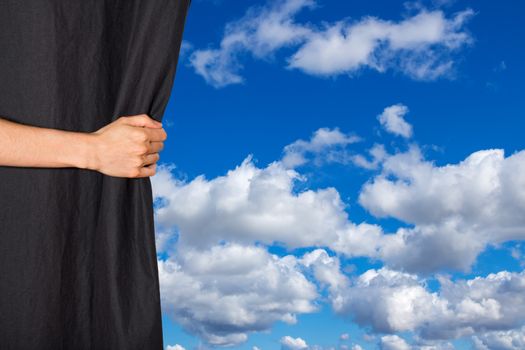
<point x="154" y="158"/>
<point x="135" y="133"/>
<point x="142" y="135"/>
<point x="142" y="149"/>
<point x="138" y="162"/>
<point x="139" y="136"/>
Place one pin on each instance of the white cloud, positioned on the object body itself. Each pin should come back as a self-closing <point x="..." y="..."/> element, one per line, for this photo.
<point x="260" y="32"/>
<point x="501" y="340"/>
<point x="344" y="336"/>
<point x="220" y="282"/>
<point x="518" y="253"/>
<point x="420" y="46"/>
<point x="293" y="343"/>
<point x="423" y="344"/>
<point x="391" y="301"/>
<point x="392" y="119"/>
<point x="388" y="301"/>
<point x="456" y="209"/>
<point x="223" y="293"/>
<point x="327" y="273"/>
<point x="252" y="205"/>
<point x="248" y="205"/>
<point x="378" y="154"/>
<point x="394" y="342"/>
<point x="175" y="347"/>
<point x="325" y="145"/>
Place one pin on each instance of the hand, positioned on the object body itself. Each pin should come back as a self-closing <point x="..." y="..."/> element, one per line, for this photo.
<point x="129" y="146"/>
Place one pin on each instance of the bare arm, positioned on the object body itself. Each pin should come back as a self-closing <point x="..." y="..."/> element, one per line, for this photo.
<point x="127" y="147"/>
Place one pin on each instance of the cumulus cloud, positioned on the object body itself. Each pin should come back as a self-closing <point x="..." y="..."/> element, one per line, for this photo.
<point x="456" y="209"/>
<point x="452" y="212"/>
<point x="260" y="32"/>
<point x="223" y="293"/>
<point x="392" y="119"/>
<point x="513" y="339"/>
<point x="293" y="343"/>
<point x="391" y="301"/>
<point x="420" y="46"/>
<point x="220" y="282"/>
<point x="377" y="153"/>
<point x="327" y="272"/>
<point x="394" y="342"/>
<point x="252" y="205"/>
<point x="175" y="347"/>
<point x="325" y="145"/>
<point x="248" y="205"/>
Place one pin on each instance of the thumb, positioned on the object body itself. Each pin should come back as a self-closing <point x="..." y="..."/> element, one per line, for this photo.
<point x="143" y="120"/>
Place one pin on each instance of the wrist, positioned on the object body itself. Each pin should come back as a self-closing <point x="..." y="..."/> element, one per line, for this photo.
<point x="88" y="156"/>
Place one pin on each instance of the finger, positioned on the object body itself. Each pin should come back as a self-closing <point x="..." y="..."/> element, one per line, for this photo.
<point x="155" y="146"/>
<point x="156" y="134"/>
<point x="142" y="120"/>
<point x="148" y="170"/>
<point x="150" y="158"/>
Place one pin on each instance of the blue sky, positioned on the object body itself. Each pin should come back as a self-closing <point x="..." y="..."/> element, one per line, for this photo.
<point x="345" y="175"/>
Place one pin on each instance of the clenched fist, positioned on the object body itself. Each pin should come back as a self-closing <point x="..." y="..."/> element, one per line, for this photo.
<point x="128" y="146"/>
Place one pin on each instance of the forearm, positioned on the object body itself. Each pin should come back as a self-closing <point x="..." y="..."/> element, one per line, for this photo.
<point x="32" y="146"/>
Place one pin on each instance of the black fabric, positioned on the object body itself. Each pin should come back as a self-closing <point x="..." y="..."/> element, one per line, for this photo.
<point x="78" y="267"/>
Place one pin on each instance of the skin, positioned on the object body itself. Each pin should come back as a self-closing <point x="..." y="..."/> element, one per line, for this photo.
<point x="127" y="147"/>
